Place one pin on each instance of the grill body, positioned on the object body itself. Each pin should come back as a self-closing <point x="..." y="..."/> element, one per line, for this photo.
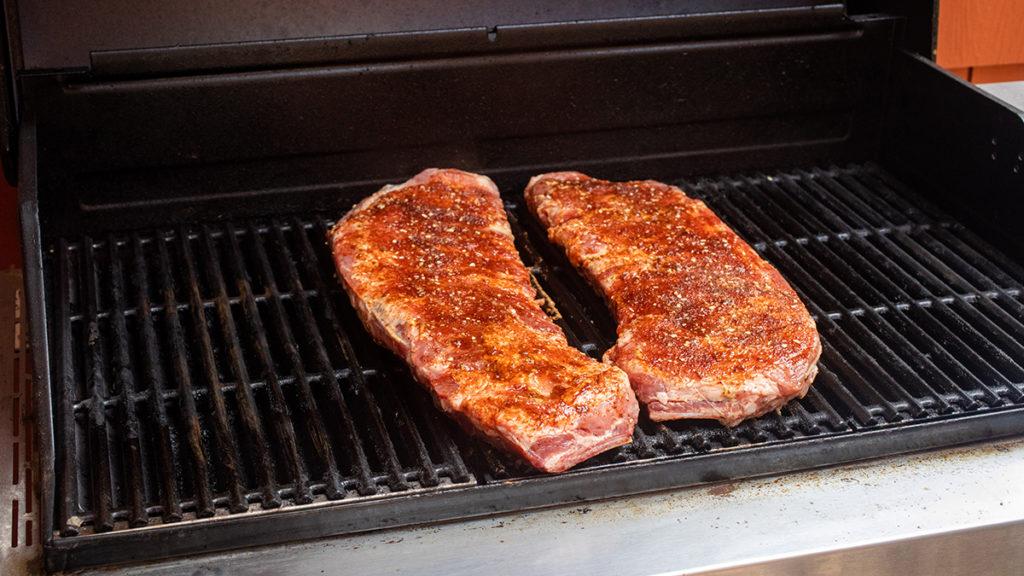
<point x="203" y="383"/>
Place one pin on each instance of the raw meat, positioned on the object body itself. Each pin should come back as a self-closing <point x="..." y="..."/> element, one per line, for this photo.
<point x="706" y="328"/>
<point x="431" y="267"/>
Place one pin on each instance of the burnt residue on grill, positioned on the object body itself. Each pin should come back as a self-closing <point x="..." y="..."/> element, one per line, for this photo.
<point x="218" y="367"/>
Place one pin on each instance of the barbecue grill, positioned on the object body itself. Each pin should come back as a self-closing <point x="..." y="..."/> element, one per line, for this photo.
<point x="203" y="384"/>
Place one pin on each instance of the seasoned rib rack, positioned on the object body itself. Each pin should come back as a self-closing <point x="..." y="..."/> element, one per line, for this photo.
<point x="431" y="268"/>
<point x="706" y="327"/>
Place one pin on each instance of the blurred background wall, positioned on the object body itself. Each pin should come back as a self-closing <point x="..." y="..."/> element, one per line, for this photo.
<point x="982" y="40"/>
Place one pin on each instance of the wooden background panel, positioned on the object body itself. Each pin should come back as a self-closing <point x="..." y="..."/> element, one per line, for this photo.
<point x="1003" y="73"/>
<point x="975" y="33"/>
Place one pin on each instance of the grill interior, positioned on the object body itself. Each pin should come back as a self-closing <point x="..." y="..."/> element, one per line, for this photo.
<point x="218" y="368"/>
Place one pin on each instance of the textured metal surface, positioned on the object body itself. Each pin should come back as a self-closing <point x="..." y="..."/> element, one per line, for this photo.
<point x="236" y="327"/>
<point x="20" y="549"/>
<point x="235" y="331"/>
<point x="950" y="512"/>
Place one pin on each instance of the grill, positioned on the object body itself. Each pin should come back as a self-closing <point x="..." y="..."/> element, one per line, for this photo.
<point x="269" y="392"/>
<point x="202" y="382"/>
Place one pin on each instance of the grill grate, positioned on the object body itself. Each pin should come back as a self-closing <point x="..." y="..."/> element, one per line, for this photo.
<point x="216" y="369"/>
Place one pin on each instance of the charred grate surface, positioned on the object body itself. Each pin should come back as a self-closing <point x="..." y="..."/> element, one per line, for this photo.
<point x="218" y="369"/>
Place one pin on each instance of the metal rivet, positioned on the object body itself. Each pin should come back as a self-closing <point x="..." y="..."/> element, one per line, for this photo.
<point x="994" y="141"/>
<point x="993" y="155"/>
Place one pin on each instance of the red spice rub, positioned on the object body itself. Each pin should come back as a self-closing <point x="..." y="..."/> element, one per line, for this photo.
<point x="706" y="328"/>
<point x="431" y="268"/>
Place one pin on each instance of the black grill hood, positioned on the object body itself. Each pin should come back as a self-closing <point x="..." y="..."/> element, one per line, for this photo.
<point x="81" y="34"/>
<point x="84" y="41"/>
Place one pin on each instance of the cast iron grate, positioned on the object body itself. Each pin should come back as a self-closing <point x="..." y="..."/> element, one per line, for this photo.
<point x="218" y="368"/>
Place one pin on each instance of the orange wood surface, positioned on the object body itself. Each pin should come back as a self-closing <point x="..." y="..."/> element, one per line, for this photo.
<point x="1004" y="73"/>
<point x="980" y="33"/>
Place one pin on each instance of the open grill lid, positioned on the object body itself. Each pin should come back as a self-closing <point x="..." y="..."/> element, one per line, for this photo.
<point x="83" y="40"/>
<point x="156" y="36"/>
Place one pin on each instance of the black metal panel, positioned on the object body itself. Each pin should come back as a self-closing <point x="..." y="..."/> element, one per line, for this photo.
<point x="233" y="327"/>
<point x="176" y="60"/>
<point x="921" y="26"/>
<point x="75" y="42"/>
<point x="47" y="43"/>
<point x="962" y="143"/>
<point x="362" y="123"/>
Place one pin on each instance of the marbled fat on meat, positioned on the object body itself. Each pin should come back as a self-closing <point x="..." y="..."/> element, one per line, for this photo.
<point x="432" y="269"/>
<point x="706" y="328"/>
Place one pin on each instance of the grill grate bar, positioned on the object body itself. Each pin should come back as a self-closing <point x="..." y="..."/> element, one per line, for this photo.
<point x="124" y="380"/>
<point x="67" y="504"/>
<point x="861" y="413"/>
<point x="170" y="235"/>
<point x="188" y="506"/>
<point x="835" y="421"/>
<point x="967" y="257"/>
<point x="897" y="324"/>
<point x="900" y="369"/>
<point x="171" y="504"/>
<point x="259" y="450"/>
<point x="1007" y="294"/>
<point x="438" y="430"/>
<point x="252" y="497"/>
<point x="934" y="348"/>
<point x="669" y="440"/>
<point x="99" y="443"/>
<point x="908" y="253"/>
<point x="575" y="322"/>
<point x="193" y="432"/>
<point x="971" y="246"/>
<point x="385" y="448"/>
<point x="227" y="449"/>
<point x="987" y="298"/>
<point x="994" y="293"/>
<point x="281" y="418"/>
<point x="207" y="303"/>
<point x="641" y="447"/>
<point x="306" y="403"/>
<point x="782" y="428"/>
<point x="408" y="431"/>
<point x="85" y="404"/>
<point x="574" y="285"/>
<point x="932" y="252"/>
<point x="968" y="318"/>
<point x="928" y="248"/>
<point x="807" y="422"/>
<point x="353" y="443"/>
<point x="402" y="405"/>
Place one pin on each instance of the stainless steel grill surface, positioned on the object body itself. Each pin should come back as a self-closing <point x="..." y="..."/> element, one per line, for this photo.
<point x="216" y="369"/>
